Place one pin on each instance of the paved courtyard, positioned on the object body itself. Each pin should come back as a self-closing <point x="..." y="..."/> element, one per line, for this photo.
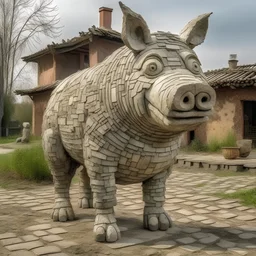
<point x="203" y="223"/>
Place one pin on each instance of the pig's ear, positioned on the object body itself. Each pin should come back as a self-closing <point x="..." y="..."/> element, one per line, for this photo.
<point x="135" y="31"/>
<point x="195" y="31"/>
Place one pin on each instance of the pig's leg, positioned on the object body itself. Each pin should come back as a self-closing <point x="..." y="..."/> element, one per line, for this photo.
<point x="104" y="199"/>
<point x="85" y="192"/>
<point x="63" y="170"/>
<point x="155" y="217"/>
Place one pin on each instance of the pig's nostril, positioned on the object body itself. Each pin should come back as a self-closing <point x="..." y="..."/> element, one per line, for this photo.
<point x="186" y="99"/>
<point x="204" y="99"/>
<point x="184" y="102"/>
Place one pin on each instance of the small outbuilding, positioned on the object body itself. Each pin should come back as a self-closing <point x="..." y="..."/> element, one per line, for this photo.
<point x="235" y="108"/>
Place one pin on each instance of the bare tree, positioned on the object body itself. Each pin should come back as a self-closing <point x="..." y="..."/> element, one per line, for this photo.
<point x="21" y="24"/>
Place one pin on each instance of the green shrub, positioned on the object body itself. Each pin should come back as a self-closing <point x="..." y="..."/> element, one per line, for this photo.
<point x="28" y="163"/>
<point x="198" y="146"/>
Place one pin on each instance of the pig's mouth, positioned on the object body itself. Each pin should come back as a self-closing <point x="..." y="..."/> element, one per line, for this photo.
<point x="192" y="117"/>
<point x="188" y="115"/>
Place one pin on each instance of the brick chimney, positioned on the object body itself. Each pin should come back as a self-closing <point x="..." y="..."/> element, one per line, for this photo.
<point x="232" y="62"/>
<point x="105" y="17"/>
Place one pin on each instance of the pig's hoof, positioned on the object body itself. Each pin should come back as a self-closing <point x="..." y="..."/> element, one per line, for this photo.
<point x="63" y="211"/>
<point x="85" y="203"/>
<point x="156" y="219"/>
<point x="106" y="229"/>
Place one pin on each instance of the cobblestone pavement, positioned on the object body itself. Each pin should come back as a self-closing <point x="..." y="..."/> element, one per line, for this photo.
<point x="203" y="223"/>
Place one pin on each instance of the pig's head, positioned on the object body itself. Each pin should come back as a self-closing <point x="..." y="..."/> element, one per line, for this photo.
<point x="164" y="84"/>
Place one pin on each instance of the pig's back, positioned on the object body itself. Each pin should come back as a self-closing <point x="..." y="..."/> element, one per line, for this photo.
<point x="72" y="101"/>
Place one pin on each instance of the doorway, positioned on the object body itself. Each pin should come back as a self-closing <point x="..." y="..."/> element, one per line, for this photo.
<point x="250" y="121"/>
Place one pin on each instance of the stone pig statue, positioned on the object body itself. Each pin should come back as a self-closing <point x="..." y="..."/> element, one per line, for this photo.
<point x="25" y="133"/>
<point x="121" y="120"/>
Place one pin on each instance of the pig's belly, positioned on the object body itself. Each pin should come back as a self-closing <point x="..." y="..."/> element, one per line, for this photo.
<point x="127" y="174"/>
<point x="129" y="170"/>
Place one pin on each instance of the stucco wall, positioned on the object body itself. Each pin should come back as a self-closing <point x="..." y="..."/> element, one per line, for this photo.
<point x="101" y="48"/>
<point x="66" y="64"/>
<point x="228" y="114"/>
<point x="46" y="71"/>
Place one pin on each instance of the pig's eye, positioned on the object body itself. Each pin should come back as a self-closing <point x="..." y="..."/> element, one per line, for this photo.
<point x="152" y="67"/>
<point x="193" y="65"/>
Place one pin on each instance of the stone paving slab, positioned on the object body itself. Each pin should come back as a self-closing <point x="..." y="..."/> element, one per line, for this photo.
<point x="203" y="223"/>
<point x="216" y="162"/>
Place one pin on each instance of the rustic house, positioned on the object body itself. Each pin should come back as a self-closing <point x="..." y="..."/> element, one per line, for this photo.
<point x="58" y="61"/>
<point x="235" y="85"/>
<point x="235" y="108"/>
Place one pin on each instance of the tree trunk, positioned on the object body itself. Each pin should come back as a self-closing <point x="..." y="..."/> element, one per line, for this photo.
<point x="1" y="105"/>
<point x="1" y="101"/>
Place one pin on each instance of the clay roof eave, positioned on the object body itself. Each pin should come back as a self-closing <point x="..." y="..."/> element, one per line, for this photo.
<point x="76" y="42"/>
<point x="38" y="89"/>
<point x="57" y="48"/>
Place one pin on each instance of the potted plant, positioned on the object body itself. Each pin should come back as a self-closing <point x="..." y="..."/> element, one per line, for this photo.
<point x="230" y="152"/>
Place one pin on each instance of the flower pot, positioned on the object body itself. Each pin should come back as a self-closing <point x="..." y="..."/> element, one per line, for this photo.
<point x="230" y="152"/>
<point x="245" y="147"/>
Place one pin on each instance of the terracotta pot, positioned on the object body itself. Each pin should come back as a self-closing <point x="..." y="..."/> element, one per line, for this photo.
<point x="245" y="147"/>
<point x="230" y="152"/>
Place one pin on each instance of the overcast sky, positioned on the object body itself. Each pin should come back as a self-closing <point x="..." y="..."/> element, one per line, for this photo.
<point x="232" y="26"/>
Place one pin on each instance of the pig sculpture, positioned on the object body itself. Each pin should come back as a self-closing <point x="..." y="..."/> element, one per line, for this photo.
<point x="120" y="122"/>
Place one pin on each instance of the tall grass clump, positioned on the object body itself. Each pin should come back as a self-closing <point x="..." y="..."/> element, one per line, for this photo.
<point x="5" y="163"/>
<point x="215" y="145"/>
<point x="30" y="164"/>
<point x="229" y="140"/>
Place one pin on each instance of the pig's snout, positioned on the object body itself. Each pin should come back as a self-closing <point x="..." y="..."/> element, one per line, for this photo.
<point x="200" y="97"/>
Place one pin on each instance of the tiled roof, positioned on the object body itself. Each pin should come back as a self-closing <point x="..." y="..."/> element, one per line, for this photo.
<point x="38" y="89"/>
<point x="241" y="76"/>
<point x="103" y="32"/>
<point x="75" y="42"/>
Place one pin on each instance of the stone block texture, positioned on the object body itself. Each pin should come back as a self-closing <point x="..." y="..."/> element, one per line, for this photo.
<point x="120" y="122"/>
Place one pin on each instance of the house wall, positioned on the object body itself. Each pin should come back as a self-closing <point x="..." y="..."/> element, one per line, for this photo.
<point x="101" y="48"/>
<point x="228" y="114"/>
<point x="66" y="64"/>
<point x="46" y="70"/>
<point x="39" y="104"/>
